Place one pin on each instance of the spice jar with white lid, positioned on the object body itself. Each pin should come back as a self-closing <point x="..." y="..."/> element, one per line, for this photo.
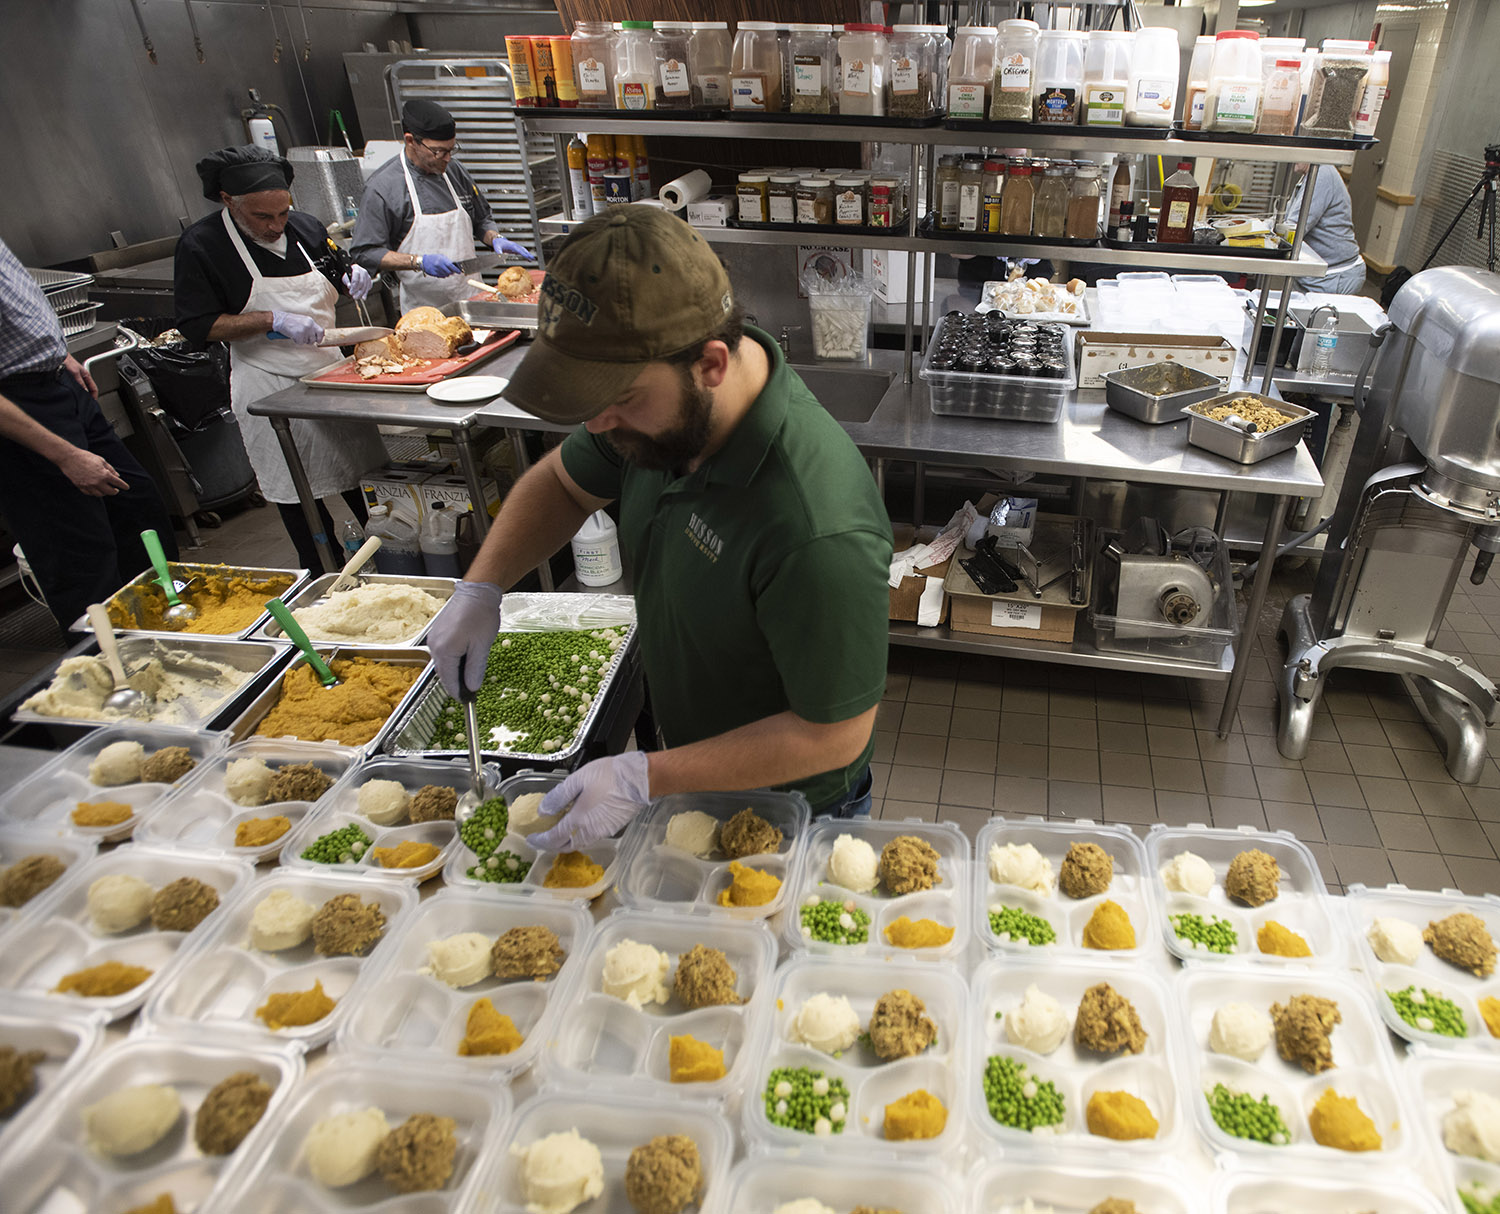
<point x="1015" y="62"/>
<point x="781" y="201"/>
<point x="810" y="47"/>
<point x="753" y="191"/>
<point x="1153" y="77"/>
<point x="971" y="70"/>
<point x="1282" y="99"/>
<point x="1059" y="77"/>
<point x="1106" y="77"/>
<point x="970" y="194"/>
<point x="755" y="68"/>
<point x="863" y="52"/>
<point x="1234" y="83"/>
<point x="709" y="52"/>
<point x="849" y="201"/>
<point x="815" y="200"/>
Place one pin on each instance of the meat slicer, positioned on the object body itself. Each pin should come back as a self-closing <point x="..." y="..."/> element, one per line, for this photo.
<point x="1422" y="489"/>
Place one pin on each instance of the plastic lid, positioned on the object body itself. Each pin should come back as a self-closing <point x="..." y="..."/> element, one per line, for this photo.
<point x="849" y="181"/>
<point x="757" y="25"/>
<point x="710" y="25"/>
<point x="1019" y="168"/>
<point x="817" y="182"/>
<point x="1019" y="23"/>
<point x="879" y="188"/>
<point x="1185" y="164"/>
<point x="798" y="27"/>
<point x="638" y="25"/>
<point x="863" y="28"/>
<point x="1087" y="170"/>
<point x="1296" y="63"/>
<point x="950" y="159"/>
<point x="994" y="166"/>
<point x="975" y="29"/>
<point x="911" y="29"/>
<point x="1347" y="44"/>
<point x="1153" y="29"/>
<point x="1117" y="35"/>
<point x="784" y="178"/>
<point x="753" y="177"/>
<point x="1251" y="34"/>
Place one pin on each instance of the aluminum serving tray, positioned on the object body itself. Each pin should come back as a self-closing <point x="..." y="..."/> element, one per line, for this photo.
<point x="1223" y="439"/>
<point x="315" y="593"/>
<point x="128" y="596"/>
<point x="1158" y="392"/>
<point x="245" y="725"/>
<point x="410" y="729"/>
<point x="256" y="658"/>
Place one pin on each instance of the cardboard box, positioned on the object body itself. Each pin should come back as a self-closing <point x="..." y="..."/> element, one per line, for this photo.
<point x="905" y="597"/>
<point x="1099" y="353"/>
<point x="1010" y="618"/>
<point x="888" y="268"/>
<point x="710" y="212"/>
<point x="454" y="490"/>
<point x="396" y="488"/>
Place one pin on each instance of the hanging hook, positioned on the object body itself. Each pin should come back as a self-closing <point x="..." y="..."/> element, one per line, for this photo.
<point x="276" y="33"/>
<point x="306" y="37"/>
<point x="135" y="6"/>
<point x="193" y="23"/>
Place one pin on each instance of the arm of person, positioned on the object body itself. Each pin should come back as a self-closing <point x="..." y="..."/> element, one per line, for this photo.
<point x="381" y="226"/>
<point x="91" y="474"/>
<point x="229" y="326"/>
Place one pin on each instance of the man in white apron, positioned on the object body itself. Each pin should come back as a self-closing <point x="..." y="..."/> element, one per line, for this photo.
<point x="246" y="273"/>
<point x="422" y="214"/>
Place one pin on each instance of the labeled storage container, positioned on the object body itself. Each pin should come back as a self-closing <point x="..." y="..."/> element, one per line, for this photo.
<point x="594" y="64"/>
<point x="971" y="70"/>
<point x="1377" y="85"/>
<point x="1106" y="77"/>
<point x="1338" y="88"/>
<point x="863" y="54"/>
<point x="1015" y="64"/>
<point x="1283" y="98"/>
<point x="1196" y="93"/>
<point x="910" y="72"/>
<point x="709" y="52"/>
<point x="811" y="49"/>
<point x="755" y="69"/>
<point x="674" y="82"/>
<point x="1153" y="77"/>
<point x="1058" y="87"/>
<point x="1234" y="83"/>
<point x="635" y="67"/>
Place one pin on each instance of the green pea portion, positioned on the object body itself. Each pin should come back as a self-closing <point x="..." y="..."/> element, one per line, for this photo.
<point x="482" y="833"/>
<point x="1017" y="1099"/>
<point x="793" y="1100"/>
<point x="824" y="921"/>
<point x="1431" y="1012"/>
<point x="1018" y="924"/>
<point x="1243" y="1116"/>
<point x="1213" y="934"/>
<point x="1477" y="1201"/>
<point x="343" y="846"/>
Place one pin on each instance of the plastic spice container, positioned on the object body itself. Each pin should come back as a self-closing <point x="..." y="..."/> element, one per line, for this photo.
<point x="635" y="67"/>
<point x="811" y="49"/>
<point x="1283" y="98"/>
<point x="674" y="83"/>
<point x="970" y="194"/>
<point x="781" y="201"/>
<point x="709" y="52"/>
<point x="1197" y="89"/>
<point x="1274" y="49"/>
<point x="849" y="202"/>
<point x="1016" y="205"/>
<point x="910" y="72"/>
<point x="1368" y="115"/>
<point x="971" y="71"/>
<point x="754" y="193"/>
<point x="1153" y="77"/>
<point x="1015" y="63"/>
<point x="863" y="52"/>
<point x="755" y="69"/>
<point x="1338" y="87"/>
<point x="994" y="193"/>
<point x="593" y="64"/>
<point x="1233" y="99"/>
<point x="1083" y="204"/>
<point x="1049" y="215"/>
<point x="1106" y="77"/>
<point x="946" y="192"/>
<point x="1059" y="77"/>
<point x="882" y="207"/>
<point x="815" y="200"/>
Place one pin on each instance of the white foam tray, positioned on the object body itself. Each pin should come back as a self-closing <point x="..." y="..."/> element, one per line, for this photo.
<point x="616" y="1124"/>
<point x="46" y="800"/>
<point x="1302" y="905"/>
<point x="53" y="1168"/>
<point x="1365" y="905"/>
<point x="1000" y="983"/>
<point x="607" y="853"/>
<point x="418" y="1018"/>
<point x="658" y="877"/>
<point x="941" y="1069"/>
<point x="199" y="815"/>
<point x="275" y="1179"/>
<point x="1074" y="1183"/>
<point x="603" y="1042"/>
<point x="1068" y="916"/>
<point x="68" y="1039"/>
<point x="226" y="979"/>
<point x="946" y="902"/>
<point x="761" y="1184"/>
<point x="60" y="938"/>
<point x="18" y="842"/>
<point x="1363" y="1068"/>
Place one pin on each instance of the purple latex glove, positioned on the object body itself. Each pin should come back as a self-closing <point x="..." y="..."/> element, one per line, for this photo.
<point x="465" y="629"/>
<point x="510" y="248"/>
<point x="303" y="330"/>
<point x="357" y="282"/>
<point x="605" y="795"/>
<point x="435" y="265"/>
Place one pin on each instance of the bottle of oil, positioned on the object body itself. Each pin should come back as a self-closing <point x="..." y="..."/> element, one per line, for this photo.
<point x="1179" y="206"/>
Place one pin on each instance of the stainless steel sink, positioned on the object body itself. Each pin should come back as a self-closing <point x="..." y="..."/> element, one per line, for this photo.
<point x="850" y="396"/>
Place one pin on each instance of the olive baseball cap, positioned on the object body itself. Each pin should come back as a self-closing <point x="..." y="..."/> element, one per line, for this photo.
<point x="627" y="288"/>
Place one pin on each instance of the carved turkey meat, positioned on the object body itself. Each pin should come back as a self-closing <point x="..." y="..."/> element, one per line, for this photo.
<point x="427" y="333"/>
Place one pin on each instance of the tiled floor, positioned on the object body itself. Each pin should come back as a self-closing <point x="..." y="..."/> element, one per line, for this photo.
<point x="960" y="737"/>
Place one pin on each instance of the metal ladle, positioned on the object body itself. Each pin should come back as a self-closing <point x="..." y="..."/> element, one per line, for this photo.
<point x="124" y="698"/>
<point x="178" y="614"/>
<point x="294" y="633"/>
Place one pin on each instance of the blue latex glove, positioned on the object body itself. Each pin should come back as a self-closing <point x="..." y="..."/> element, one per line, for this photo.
<point x="465" y="628"/>
<point x="435" y="265"/>
<point x="511" y="249"/>
<point x="303" y="330"/>
<point x="605" y="795"/>
<point x="357" y="282"/>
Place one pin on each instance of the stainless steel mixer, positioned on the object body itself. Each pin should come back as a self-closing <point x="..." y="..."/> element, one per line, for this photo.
<point x="1423" y="488"/>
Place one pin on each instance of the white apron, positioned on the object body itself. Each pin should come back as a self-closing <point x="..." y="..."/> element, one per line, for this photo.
<point x="450" y="233"/>
<point x="335" y="454"/>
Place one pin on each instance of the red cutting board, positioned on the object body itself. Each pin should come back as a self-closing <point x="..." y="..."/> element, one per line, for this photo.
<point x="346" y="374"/>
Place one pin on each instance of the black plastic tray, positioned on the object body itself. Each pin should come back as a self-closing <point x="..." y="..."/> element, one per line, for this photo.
<point x="824" y="229"/>
<point x="1357" y="144"/>
<point x="851" y="120"/>
<point x="926" y="226"/>
<point x="652" y="115"/>
<point x="1202" y="250"/>
<point x="1007" y="127"/>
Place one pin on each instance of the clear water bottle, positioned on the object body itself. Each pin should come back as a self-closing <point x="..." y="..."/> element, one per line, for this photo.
<point x="351" y="536"/>
<point x="1328" y="340"/>
<point x="351" y="208"/>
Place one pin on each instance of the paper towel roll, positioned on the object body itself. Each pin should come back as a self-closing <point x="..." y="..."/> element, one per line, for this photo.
<point x="686" y="189"/>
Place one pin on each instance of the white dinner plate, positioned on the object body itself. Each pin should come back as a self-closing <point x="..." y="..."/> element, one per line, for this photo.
<point x="468" y="389"/>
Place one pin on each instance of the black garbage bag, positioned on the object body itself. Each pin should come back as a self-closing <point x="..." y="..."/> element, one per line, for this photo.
<point x="191" y="385"/>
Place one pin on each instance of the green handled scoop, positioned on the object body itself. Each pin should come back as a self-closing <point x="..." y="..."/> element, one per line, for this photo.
<point x="178" y="614"/>
<point x="294" y="633"/>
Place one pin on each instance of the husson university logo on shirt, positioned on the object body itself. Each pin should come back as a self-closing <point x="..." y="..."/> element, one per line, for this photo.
<point x="704" y="538"/>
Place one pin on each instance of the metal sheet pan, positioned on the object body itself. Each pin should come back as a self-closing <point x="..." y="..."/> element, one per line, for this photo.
<point x="248" y="721"/>
<point x="410" y="730"/>
<point x="312" y="593"/>
<point x="128" y="596"/>
<point x="257" y="658"/>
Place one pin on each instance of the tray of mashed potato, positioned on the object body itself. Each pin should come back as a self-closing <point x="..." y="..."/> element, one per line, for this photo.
<point x="194" y="680"/>
<point x="379" y="609"/>
<point x="230" y="599"/>
<point x="151" y="1120"/>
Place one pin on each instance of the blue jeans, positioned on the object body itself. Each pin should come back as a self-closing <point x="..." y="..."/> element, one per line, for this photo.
<point x="856" y="802"/>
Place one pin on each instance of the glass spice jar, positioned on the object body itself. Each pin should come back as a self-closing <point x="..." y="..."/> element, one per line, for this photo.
<point x="753" y="191"/>
<point x="593" y="64"/>
<point x="849" y="195"/>
<point x="815" y="200"/>
<point x="970" y="194"/>
<point x="1050" y="212"/>
<point x="674" y="83"/>
<point x="781" y="201"/>
<point x="1016" y="205"/>
<point x="910" y="72"/>
<point x="946" y="190"/>
<point x="1083" y="204"/>
<point x="811" y="50"/>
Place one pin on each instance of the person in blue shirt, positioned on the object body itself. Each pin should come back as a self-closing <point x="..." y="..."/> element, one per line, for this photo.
<point x="1329" y="231"/>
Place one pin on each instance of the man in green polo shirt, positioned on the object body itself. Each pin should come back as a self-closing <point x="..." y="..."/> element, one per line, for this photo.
<point x="758" y="544"/>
